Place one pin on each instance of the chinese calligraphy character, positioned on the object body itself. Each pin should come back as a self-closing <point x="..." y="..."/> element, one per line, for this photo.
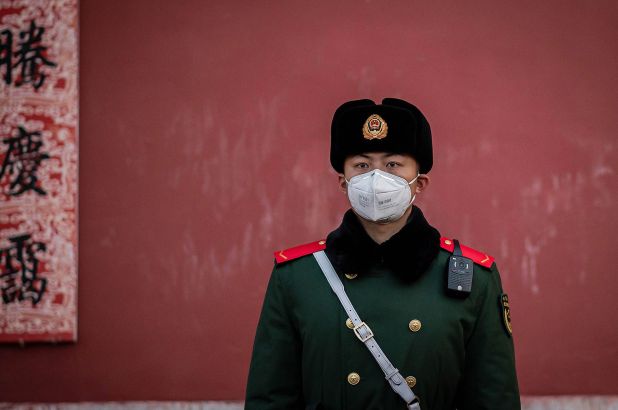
<point x="6" y="52"/>
<point x="18" y="270"/>
<point x="22" y="159"/>
<point x="31" y="56"/>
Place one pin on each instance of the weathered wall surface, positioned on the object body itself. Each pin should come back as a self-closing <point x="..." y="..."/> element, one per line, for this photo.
<point x="204" y="146"/>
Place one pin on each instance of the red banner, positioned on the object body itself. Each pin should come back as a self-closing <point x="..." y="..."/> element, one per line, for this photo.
<point x="38" y="170"/>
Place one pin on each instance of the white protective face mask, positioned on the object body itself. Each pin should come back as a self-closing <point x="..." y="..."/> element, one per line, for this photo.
<point x="379" y="196"/>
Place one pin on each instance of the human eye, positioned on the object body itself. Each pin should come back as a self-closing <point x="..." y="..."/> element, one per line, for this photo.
<point x="393" y="164"/>
<point x="361" y="165"/>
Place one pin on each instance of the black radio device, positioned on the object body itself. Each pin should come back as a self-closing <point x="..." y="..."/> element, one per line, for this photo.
<point x="460" y="272"/>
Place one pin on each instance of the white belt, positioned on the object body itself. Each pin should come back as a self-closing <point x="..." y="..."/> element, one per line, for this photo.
<point x="365" y="335"/>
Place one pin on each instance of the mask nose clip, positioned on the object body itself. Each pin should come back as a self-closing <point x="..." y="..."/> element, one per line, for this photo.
<point x="373" y="172"/>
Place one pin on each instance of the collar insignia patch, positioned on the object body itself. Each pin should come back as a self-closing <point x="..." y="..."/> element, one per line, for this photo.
<point x="375" y="127"/>
<point x="506" y="313"/>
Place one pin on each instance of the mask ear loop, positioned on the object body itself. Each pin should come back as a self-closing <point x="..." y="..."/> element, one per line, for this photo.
<point x="410" y="183"/>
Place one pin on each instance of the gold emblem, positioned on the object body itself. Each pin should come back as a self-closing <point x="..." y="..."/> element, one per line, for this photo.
<point x="353" y="378"/>
<point x="349" y="323"/>
<point x="415" y="325"/>
<point x="351" y="275"/>
<point x="506" y="313"/>
<point x="411" y="380"/>
<point x="375" y="127"/>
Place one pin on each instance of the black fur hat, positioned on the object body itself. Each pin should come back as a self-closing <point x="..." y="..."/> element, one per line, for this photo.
<point x="394" y="126"/>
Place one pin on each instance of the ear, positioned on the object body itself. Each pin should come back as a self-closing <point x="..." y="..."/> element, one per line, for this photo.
<point x="343" y="185"/>
<point x="421" y="184"/>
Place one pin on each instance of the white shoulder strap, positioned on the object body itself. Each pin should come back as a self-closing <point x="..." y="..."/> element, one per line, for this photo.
<point x="365" y="335"/>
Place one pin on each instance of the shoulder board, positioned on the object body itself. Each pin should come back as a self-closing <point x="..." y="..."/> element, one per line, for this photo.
<point x="477" y="257"/>
<point x="296" y="252"/>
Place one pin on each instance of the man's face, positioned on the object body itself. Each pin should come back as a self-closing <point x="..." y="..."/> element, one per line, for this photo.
<point x="403" y="165"/>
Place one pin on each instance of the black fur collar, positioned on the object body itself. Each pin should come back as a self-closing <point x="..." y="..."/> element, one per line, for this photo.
<point x="408" y="253"/>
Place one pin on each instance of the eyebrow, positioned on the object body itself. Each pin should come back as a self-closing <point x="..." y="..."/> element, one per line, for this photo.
<point x="386" y="154"/>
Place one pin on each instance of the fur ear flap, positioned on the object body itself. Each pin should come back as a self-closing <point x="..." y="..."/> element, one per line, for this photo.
<point x="337" y="162"/>
<point x="423" y="144"/>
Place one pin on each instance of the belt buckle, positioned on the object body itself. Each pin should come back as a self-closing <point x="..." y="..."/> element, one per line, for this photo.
<point x="368" y="335"/>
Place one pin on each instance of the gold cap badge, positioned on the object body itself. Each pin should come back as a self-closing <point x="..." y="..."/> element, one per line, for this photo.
<point x="375" y="127"/>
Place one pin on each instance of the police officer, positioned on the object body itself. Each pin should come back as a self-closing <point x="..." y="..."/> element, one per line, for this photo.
<point x="427" y="305"/>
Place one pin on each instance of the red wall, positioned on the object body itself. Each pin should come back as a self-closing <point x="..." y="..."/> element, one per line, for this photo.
<point x="204" y="142"/>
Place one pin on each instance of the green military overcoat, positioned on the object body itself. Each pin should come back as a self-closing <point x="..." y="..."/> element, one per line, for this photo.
<point x="454" y="352"/>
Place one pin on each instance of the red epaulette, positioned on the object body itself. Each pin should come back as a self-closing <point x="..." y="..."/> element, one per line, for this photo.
<point x="477" y="257"/>
<point x="296" y="252"/>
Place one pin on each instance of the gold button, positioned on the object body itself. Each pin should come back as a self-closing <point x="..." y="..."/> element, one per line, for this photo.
<point x="321" y="242"/>
<point x="411" y="380"/>
<point x="415" y="325"/>
<point x="351" y="275"/>
<point x="349" y="323"/>
<point x="447" y="242"/>
<point x="353" y="378"/>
